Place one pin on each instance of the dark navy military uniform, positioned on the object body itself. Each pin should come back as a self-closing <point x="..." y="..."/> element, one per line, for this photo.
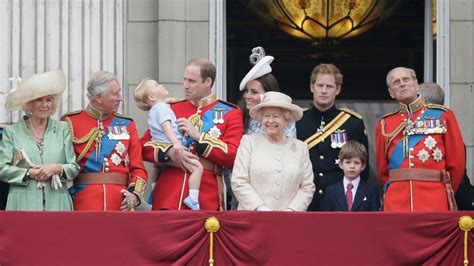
<point x="325" y="133"/>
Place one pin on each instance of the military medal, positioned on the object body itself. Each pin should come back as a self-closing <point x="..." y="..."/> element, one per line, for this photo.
<point x="120" y="148"/>
<point x="430" y="142"/>
<point x="338" y="138"/>
<point x="321" y="126"/>
<point x="214" y="132"/>
<point x="115" y="159"/>
<point x="218" y="117"/>
<point x="423" y="155"/>
<point x="333" y="141"/>
<point x="343" y="138"/>
<point x="118" y="132"/>
<point x="430" y="125"/>
<point x="221" y="118"/>
<point x="437" y="155"/>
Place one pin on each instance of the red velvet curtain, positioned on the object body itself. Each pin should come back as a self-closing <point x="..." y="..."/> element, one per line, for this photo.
<point x="244" y="238"/>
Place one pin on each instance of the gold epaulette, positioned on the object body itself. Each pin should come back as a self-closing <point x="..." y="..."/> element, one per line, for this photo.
<point x="351" y="112"/>
<point x="437" y="106"/>
<point x="72" y="113"/>
<point x="306" y="109"/>
<point x="123" y="116"/>
<point x="229" y="103"/>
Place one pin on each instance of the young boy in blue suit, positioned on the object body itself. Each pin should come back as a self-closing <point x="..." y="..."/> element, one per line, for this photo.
<point x="352" y="193"/>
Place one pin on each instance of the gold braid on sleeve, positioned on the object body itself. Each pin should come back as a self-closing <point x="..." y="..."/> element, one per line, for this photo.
<point x="140" y="186"/>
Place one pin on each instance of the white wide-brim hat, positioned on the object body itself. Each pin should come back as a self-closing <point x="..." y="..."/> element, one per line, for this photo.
<point x="37" y="86"/>
<point x="261" y="68"/>
<point x="276" y="99"/>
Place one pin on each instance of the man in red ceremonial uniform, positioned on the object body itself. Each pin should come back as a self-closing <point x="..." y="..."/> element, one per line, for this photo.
<point x="420" y="150"/>
<point x="108" y="150"/>
<point x="213" y="130"/>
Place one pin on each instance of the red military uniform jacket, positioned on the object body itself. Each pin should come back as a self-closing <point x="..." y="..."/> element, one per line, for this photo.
<point x="109" y="153"/>
<point x="429" y="139"/>
<point x="222" y="128"/>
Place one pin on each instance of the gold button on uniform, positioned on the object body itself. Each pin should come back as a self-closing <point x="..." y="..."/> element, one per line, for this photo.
<point x="320" y="192"/>
<point x="321" y="174"/>
<point x="321" y="157"/>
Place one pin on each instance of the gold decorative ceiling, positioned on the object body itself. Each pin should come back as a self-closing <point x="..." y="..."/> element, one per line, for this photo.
<point x="319" y="20"/>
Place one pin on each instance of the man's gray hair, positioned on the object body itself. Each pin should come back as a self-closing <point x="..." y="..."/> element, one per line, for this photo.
<point x="98" y="83"/>
<point x="411" y="71"/>
<point x="432" y="92"/>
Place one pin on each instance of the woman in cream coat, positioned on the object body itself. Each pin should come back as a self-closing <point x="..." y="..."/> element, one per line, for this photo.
<point x="39" y="182"/>
<point x="272" y="171"/>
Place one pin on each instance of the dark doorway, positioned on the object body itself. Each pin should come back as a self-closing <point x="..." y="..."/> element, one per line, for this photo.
<point x="363" y="60"/>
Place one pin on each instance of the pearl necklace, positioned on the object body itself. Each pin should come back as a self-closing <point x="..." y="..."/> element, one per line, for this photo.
<point x="34" y="131"/>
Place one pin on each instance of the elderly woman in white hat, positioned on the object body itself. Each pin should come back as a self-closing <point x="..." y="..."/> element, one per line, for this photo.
<point x="272" y="171"/>
<point x="36" y="154"/>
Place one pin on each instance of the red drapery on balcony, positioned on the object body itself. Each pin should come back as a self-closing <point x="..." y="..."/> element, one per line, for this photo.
<point x="244" y="238"/>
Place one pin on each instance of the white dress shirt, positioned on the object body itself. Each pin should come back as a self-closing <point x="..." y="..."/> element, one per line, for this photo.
<point x="355" y="184"/>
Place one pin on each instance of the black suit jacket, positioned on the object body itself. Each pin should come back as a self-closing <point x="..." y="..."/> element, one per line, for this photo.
<point x="465" y="194"/>
<point x="366" y="198"/>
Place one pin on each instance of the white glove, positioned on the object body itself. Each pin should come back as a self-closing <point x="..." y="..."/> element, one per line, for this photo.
<point x="40" y="184"/>
<point x="56" y="182"/>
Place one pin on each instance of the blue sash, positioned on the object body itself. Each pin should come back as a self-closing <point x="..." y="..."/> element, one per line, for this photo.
<point x="397" y="157"/>
<point x="208" y="118"/>
<point x="74" y="189"/>
<point x="94" y="164"/>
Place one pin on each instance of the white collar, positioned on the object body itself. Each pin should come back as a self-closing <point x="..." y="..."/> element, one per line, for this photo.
<point x="355" y="183"/>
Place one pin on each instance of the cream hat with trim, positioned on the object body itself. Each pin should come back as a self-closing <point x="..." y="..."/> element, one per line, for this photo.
<point x="261" y="66"/>
<point x="37" y="86"/>
<point x="276" y="99"/>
